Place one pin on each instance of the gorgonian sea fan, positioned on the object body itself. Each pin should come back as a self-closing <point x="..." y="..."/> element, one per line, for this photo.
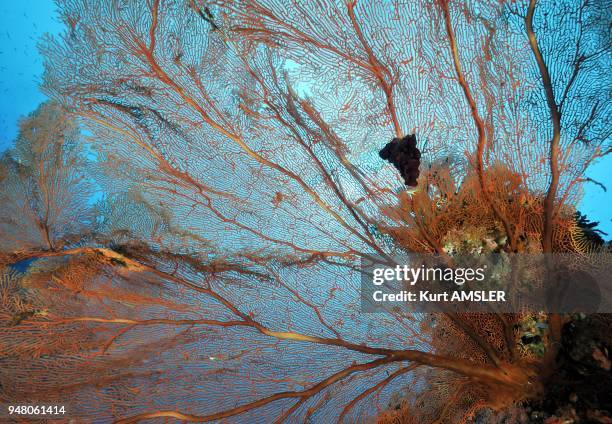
<point x="243" y="139"/>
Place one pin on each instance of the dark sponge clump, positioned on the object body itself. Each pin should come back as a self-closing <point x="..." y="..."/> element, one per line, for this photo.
<point x="404" y="155"/>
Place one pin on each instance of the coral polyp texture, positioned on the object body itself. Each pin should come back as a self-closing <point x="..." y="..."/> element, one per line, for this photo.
<point x="185" y="218"/>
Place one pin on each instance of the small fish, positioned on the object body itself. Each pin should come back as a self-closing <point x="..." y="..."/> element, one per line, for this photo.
<point x="407" y="189"/>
